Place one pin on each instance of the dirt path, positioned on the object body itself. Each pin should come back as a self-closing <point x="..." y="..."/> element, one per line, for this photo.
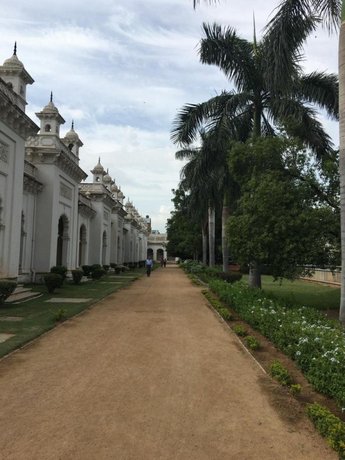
<point x="149" y="373"/>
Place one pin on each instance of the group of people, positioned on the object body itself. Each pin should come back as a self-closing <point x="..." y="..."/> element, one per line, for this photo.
<point x="149" y="264"/>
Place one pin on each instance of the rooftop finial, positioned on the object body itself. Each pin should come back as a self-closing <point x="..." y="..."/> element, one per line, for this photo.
<point x="72" y="124"/>
<point x="51" y="96"/>
<point x="15" y="49"/>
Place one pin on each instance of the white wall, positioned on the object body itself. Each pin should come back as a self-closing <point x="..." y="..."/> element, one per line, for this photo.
<point x="11" y="195"/>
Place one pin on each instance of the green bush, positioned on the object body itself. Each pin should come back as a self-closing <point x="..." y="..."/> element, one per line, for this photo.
<point x="224" y="313"/>
<point x="97" y="273"/>
<point x="239" y="330"/>
<point x="118" y="270"/>
<point x="252" y="342"/>
<point x="106" y="267"/>
<point x="59" y="270"/>
<point x="87" y="270"/>
<point x="60" y="315"/>
<point x="113" y="265"/>
<point x="295" y="389"/>
<point x="53" y="281"/>
<point x="304" y="334"/>
<point x="6" y="289"/>
<point x="280" y="373"/>
<point x="96" y="267"/>
<point x="329" y="426"/>
<point x="77" y="275"/>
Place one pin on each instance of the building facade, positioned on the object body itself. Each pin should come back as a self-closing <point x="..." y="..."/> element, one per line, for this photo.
<point x="49" y="213"/>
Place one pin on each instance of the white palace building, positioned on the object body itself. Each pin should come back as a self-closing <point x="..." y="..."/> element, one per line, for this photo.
<point x="49" y="214"/>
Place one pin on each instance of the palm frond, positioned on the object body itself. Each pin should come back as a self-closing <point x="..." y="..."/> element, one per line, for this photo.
<point x="304" y="125"/>
<point x="195" y="2"/>
<point x="186" y="153"/>
<point x="283" y="40"/>
<point x="321" y="89"/>
<point x="329" y="11"/>
<point x="188" y="122"/>
<point x="232" y="54"/>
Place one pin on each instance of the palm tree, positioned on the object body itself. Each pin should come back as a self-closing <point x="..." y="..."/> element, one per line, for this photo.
<point x="192" y="181"/>
<point x="256" y="108"/>
<point x="294" y="21"/>
<point x="201" y="176"/>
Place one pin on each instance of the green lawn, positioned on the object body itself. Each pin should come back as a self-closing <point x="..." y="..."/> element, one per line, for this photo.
<point x="39" y="316"/>
<point x="300" y="292"/>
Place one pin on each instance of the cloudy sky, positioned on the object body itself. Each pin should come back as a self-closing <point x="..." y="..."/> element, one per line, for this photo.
<point x="121" y="69"/>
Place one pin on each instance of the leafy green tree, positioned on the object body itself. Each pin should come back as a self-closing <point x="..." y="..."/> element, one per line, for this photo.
<point x="281" y="220"/>
<point x="184" y="238"/>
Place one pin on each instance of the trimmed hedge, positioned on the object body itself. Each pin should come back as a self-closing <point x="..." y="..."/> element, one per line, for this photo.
<point x="53" y="281"/>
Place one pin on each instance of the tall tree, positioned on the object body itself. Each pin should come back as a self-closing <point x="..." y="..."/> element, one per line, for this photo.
<point x="256" y="108"/>
<point x="284" y="218"/>
<point x="204" y="174"/>
<point x="294" y="21"/>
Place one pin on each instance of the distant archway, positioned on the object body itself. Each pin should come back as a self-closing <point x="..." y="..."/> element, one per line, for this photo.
<point x="150" y="252"/>
<point x="62" y="241"/>
<point x="160" y="254"/>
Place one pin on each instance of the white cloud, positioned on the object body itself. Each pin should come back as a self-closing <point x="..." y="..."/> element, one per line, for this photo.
<point x="121" y="69"/>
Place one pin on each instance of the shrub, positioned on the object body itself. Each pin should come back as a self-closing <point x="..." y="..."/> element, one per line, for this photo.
<point x="118" y="270"/>
<point x="59" y="270"/>
<point x="77" y="275"/>
<point x="106" y="267"/>
<point x="280" y="373"/>
<point x="304" y="334"/>
<point x="230" y="277"/>
<point x="329" y="426"/>
<point x="96" y="267"/>
<point x="224" y="313"/>
<point x="252" y="342"/>
<point x="53" y="281"/>
<point x="60" y="315"/>
<point x="295" y="389"/>
<point x="97" y="273"/>
<point x="113" y="265"/>
<point x="86" y="269"/>
<point x="239" y="330"/>
<point x="6" y="289"/>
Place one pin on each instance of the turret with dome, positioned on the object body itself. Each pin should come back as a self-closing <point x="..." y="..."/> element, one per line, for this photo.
<point x="17" y="78"/>
<point x="50" y="119"/>
<point x="72" y="141"/>
<point x="98" y="172"/>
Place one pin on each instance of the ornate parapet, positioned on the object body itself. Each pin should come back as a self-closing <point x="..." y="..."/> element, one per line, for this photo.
<point x="12" y="115"/>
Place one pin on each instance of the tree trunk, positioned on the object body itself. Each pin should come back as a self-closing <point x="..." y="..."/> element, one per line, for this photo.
<point x="225" y="245"/>
<point x="341" y="64"/>
<point x="254" y="280"/>
<point x="204" y="242"/>
<point x="211" y="235"/>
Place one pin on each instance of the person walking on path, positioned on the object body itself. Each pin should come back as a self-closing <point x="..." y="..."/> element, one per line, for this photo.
<point x="149" y="265"/>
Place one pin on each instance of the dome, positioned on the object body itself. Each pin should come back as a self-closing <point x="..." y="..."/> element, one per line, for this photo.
<point x="114" y="188"/>
<point x="107" y="179"/>
<point x="71" y="135"/>
<point x="98" y="169"/>
<point x="50" y="108"/>
<point x="14" y="63"/>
